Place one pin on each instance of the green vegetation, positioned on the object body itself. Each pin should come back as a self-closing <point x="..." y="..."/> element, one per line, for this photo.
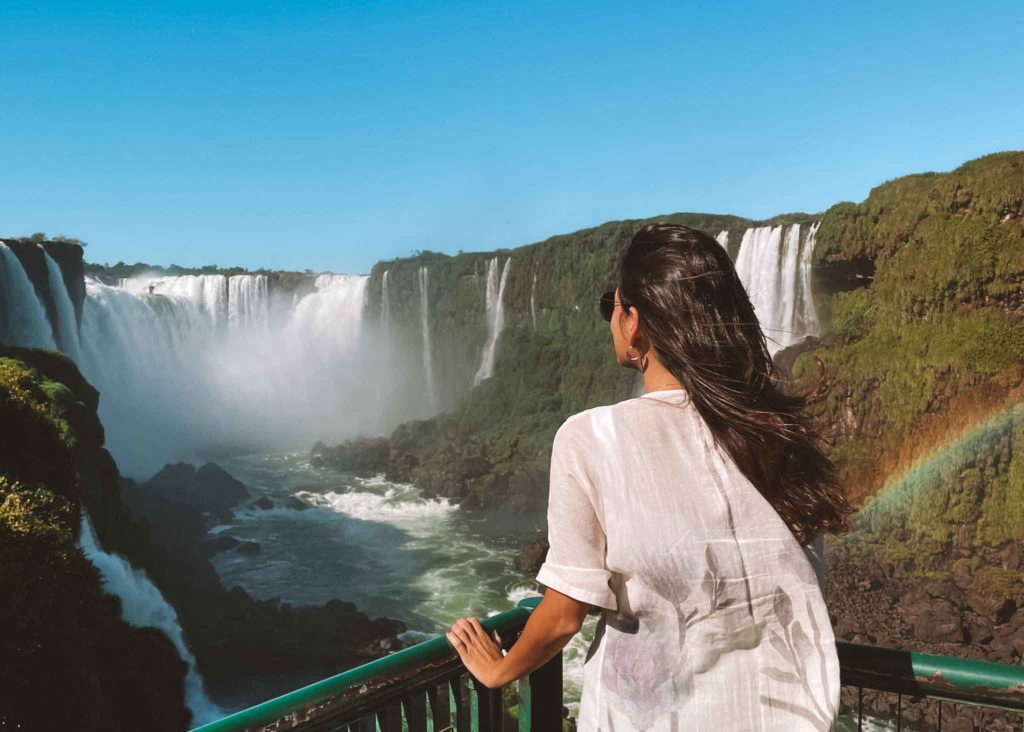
<point x="122" y="270"/>
<point x="936" y="341"/>
<point x="553" y="359"/>
<point x="69" y="661"/>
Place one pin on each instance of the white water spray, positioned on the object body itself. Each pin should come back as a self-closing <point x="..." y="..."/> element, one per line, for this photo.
<point x="142" y="605"/>
<point x="185" y="374"/>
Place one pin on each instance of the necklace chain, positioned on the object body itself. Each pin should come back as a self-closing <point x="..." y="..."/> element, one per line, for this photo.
<point x="666" y="384"/>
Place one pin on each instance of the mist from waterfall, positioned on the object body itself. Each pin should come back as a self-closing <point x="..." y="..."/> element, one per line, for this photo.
<point x="774" y="264"/>
<point x="493" y="298"/>
<point x="142" y="605"/>
<point x="24" y="321"/>
<point x="194" y="367"/>
<point x="197" y="366"/>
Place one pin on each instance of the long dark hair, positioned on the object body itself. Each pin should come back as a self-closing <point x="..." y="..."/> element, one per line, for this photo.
<point x="698" y="318"/>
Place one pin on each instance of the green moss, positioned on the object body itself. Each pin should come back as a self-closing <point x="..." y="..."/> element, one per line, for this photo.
<point x="938" y="329"/>
<point x="996" y="583"/>
<point x="887" y="220"/>
<point x="850" y="315"/>
<point x="1002" y="509"/>
<point x="64" y="637"/>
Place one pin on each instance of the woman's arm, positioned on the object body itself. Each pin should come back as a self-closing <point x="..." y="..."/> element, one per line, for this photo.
<point x="555" y="620"/>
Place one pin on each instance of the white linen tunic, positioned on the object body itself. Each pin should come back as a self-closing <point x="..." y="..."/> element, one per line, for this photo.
<point x="713" y="617"/>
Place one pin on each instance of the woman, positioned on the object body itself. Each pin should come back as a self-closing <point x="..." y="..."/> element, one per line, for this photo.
<point x="682" y="514"/>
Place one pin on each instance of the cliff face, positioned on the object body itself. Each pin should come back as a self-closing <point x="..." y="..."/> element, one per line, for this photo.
<point x="492" y="442"/>
<point x="69" y="661"/>
<point x="63" y="637"/>
<point x="926" y="363"/>
<point x="549" y="302"/>
<point x="936" y="342"/>
<point x="68" y="256"/>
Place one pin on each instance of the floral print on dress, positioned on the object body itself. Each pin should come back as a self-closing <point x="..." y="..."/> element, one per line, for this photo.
<point x="651" y="677"/>
<point x="796" y="652"/>
<point x="641" y="670"/>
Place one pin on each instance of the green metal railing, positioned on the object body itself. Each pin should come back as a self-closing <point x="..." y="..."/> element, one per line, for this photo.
<point x="426" y="688"/>
<point x="943" y="682"/>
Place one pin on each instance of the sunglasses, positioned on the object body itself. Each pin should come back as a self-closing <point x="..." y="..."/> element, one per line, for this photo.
<point x="606" y="304"/>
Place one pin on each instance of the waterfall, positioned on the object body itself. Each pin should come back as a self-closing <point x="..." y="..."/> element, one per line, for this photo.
<point x="66" y="327"/>
<point x="211" y="366"/>
<point x="723" y="239"/>
<point x="533" y="302"/>
<point x="248" y="301"/>
<point x="206" y="294"/>
<point x="495" y="317"/>
<point x="24" y="315"/>
<point x="428" y="365"/>
<point x="385" y="303"/>
<point x="774" y="265"/>
<point x="142" y="605"/>
<point x="806" y="317"/>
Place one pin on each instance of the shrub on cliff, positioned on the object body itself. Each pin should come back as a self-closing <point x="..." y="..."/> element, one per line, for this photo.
<point x="926" y="357"/>
<point x="69" y="660"/>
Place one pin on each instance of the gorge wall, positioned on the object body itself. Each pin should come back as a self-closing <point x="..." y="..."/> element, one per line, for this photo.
<point x="491" y="443"/>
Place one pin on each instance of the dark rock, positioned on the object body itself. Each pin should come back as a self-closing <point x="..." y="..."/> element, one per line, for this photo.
<point x="210" y="489"/>
<point x="997" y="610"/>
<point x="842" y="275"/>
<point x="1011" y="557"/>
<point x="979" y="629"/>
<point x="263" y="503"/>
<point x="296" y="503"/>
<point x="248" y="547"/>
<point x="531" y="556"/>
<point x="219" y="543"/>
<point x="1007" y="643"/>
<point x="360" y="455"/>
<point x="218" y="486"/>
<point x="932" y="618"/>
<point x="784" y="359"/>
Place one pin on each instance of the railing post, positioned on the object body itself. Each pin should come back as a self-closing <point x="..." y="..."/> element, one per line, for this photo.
<point x="489" y="712"/>
<point x="546" y="696"/>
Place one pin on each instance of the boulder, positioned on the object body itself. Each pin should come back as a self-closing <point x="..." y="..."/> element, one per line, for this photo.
<point x="531" y="556"/>
<point x="933" y="619"/>
<point x="296" y="503"/>
<point x="219" y="543"/>
<point x="248" y="547"/>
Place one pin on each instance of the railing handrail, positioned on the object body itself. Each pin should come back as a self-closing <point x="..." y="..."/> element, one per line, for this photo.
<point x="964" y="673"/>
<point x="416" y="655"/>
<point x="967" y="680"/>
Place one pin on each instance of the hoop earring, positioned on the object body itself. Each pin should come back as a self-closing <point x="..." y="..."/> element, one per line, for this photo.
<point x="638" y="357"/>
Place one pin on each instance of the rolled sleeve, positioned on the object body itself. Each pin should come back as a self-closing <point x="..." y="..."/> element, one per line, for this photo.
<point x="575" y="563"/>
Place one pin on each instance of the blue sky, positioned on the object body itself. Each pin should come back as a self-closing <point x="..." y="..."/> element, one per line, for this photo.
<point x="331" y="135"/>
